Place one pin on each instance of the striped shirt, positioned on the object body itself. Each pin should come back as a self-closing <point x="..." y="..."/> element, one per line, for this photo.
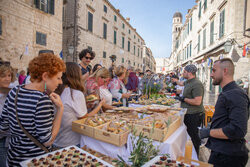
<point x="36" y="114"/>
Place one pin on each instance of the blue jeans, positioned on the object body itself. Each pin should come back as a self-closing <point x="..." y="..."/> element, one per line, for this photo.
<point x="3" y="152"/>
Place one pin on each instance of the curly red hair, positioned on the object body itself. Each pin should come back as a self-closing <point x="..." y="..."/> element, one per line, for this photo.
<point x="46" y="62"/>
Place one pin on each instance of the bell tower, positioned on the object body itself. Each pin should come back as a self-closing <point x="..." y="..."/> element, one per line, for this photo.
<point x="176" y="27"/>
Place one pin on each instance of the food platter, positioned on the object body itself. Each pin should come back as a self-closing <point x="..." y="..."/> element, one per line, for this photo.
<point x="92" y="98"/>
<point x="69" y="156"/>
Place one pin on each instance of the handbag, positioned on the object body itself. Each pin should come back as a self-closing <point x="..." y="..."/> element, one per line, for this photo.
<point x="39" y="144"/>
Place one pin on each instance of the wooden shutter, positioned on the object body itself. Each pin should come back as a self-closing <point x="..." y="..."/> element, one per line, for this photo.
<point x="104" y="30"/>
<point x="212" y="32"/>
<point x="222" y="23"/>
<point x="123" y="42"/>
<point x="114" y="37"/>
<point x="204" y="38"/>
<point x="190" y="50"/>
<point x="90" y="22"/>
<point x="51" y="8"/>
<point x="37" y="3"/>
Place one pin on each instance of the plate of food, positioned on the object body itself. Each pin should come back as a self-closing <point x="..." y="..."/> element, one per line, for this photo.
<point x="124" y="109"/>
<point x="69" y="156"/>
<point x="92" y="98"/>
<point x="116" y="103"/>
<point x="95" y="121"/>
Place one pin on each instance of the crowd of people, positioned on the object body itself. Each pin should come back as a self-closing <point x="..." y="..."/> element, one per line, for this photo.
<point x="37" y="111"/>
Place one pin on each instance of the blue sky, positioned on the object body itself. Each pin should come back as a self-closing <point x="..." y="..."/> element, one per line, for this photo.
<point x="153" y="20"/>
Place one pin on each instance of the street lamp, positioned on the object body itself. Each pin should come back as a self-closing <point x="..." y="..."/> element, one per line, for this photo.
<point x="227" y="46"/>
<point x="71" y="50"/>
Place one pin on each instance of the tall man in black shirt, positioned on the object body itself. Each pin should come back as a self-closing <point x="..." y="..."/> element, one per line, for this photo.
<point x="229" y="122"/>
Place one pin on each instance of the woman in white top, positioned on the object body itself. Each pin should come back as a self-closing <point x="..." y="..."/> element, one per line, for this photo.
<point x="117" y="86"/>
<point x="72" y="95"/>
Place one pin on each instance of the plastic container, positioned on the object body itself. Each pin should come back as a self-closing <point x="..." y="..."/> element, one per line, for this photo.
<point x="188" y="149"/>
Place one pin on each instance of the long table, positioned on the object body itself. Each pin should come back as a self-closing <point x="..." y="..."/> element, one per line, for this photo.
<point x="174" y="146"/>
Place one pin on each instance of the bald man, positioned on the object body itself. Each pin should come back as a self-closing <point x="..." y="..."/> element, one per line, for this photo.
<point x="229" y="122"/>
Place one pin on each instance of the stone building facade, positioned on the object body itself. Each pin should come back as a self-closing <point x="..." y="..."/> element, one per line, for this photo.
<point x="97" y="25"/>
<point x="162" y="65"/>
<point x="212" y="30"/>
<point x="149" y="62"/>
<point x="27" y="26"/>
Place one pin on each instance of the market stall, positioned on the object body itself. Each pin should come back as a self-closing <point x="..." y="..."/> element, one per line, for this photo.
<point x="172" y="141"/>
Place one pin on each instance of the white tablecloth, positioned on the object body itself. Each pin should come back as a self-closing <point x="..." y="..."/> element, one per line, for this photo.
<point x="174" y="145"/>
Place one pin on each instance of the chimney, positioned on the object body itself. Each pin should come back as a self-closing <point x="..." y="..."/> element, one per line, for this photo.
<point x="118" y="10"/>
<point x="128" y="19"/>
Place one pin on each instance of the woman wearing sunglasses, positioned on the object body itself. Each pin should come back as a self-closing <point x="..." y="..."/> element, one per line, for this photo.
<point x="33" y="104"/>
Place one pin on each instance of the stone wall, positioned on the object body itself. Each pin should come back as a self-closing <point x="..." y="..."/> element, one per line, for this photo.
<point x="21" y="20"/>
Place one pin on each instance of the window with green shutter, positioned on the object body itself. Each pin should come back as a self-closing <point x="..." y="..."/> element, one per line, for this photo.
<point x="129" y="46"/>
<point x="114" y="37"/>
<point x="199" y="40"/>
<point x="104" y="54"/>
<point x="122" y="60"/>
<point x="187" y="51"/>
<point x="123" y="25"/>
<point x="212" y="32"/>
<point x="41" y="38"/>
<point x="129" y="31"/>
<point x="105" y="9"/>
<point x="204" y="38"/>
<point x="134" y="49"/>
<point x="115" y="18"/>
<point x="199" y="14"/>
<point x="90" y="22"/>
<point x="222" y="23"/>
<point x="190" y="49"/>
<point x="47" y="6"/>
<point x="191" y="20"/>
<point x="205" y="5"/>
<point x="123" y="42"/>
<point x="104" y="30"/>
<point x="188" y="28"/>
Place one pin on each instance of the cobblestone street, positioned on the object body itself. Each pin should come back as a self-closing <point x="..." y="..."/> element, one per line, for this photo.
<point x="210" y="99"/>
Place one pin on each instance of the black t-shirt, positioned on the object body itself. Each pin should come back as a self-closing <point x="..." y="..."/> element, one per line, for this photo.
<point x="231" y="114"/>
<point x="84" y="71"/>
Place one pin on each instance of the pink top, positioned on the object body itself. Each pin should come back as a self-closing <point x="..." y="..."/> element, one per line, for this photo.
<point x="21" y="79"/>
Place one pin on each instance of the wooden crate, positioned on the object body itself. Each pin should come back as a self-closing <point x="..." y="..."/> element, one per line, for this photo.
<point x="112" y="138"/>
<point x="79" y="127"/>
<point x="158" y="134"/>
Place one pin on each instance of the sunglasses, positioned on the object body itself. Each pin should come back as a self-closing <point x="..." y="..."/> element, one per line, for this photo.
<point x="6" y="63"/>
<point x="90" y="58"/>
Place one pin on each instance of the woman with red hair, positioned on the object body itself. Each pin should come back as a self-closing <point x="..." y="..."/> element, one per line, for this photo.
<point x="29" y="110"/>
